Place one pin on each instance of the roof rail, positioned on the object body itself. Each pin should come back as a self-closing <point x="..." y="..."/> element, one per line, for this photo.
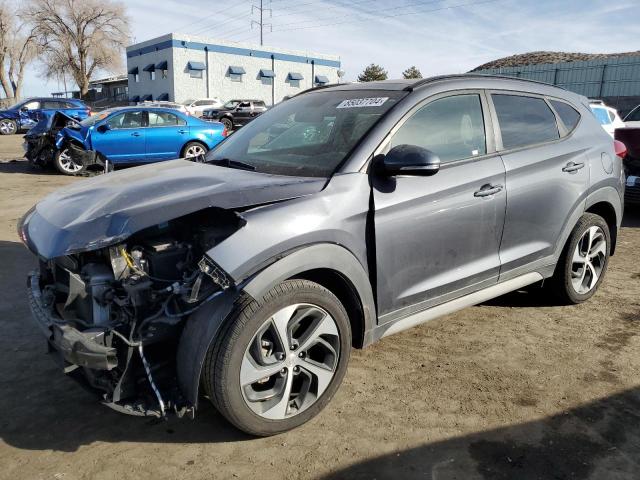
<point x="425" y="81"/>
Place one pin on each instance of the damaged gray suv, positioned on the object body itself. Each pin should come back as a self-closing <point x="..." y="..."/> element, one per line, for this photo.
<point x="341" y="216"/>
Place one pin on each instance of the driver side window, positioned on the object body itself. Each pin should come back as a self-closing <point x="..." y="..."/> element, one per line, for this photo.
<point x="451" y="127"/>
<point x="35" y="105"/>
<point x="126" y="120"/>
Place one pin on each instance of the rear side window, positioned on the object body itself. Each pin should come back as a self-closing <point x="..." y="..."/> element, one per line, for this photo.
<point x="524" y="120"/>
<point x="569" y="115"/>
<point x="451" y="127"/>
<point x="602" y="115"/>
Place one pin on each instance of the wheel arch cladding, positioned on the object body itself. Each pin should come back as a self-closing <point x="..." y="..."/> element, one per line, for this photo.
<point x="329" y="265"/>
<point x="608" y="213"/>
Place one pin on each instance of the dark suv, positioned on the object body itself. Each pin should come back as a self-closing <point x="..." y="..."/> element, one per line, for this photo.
<point x="236" y="113"/>
<point x="343" y="215"/>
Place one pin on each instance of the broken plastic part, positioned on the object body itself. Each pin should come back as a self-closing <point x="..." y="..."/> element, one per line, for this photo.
<point x="219" y="277"/>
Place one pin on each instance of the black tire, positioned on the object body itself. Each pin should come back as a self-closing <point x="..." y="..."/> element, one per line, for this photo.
<point x="9" y="127"/>
<point x="228" y="123"/>
<point x="221" y="374"/>
<point x="561" y="284"/>
<point x="62" y="166"/>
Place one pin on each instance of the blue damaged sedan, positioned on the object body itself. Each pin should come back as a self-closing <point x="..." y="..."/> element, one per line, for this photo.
<point x="134" y="135"/>
<point x="26" y="114"/>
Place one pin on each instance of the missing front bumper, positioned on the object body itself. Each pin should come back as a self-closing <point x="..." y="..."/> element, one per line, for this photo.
<point x="75" y="348"/>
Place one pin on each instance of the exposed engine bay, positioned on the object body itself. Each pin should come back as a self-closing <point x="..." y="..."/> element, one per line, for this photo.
<point x="123" y="308"/>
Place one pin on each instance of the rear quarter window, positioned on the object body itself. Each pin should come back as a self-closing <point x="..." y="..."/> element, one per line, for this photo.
<point x="602" y="115"/>
<point x="524" y="120"/>
<point x="569" y="115"/>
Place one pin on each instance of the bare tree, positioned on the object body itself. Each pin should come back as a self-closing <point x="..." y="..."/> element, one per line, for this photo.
<point x="7" y="26"/>
<point x="80" y="37"/>
<point x="17" y="49"/>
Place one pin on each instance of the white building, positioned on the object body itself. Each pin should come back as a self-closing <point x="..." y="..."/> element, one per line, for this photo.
<point x="178" y="67"/>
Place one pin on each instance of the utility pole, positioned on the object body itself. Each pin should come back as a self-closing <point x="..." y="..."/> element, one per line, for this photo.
<point x="261" y="23"/>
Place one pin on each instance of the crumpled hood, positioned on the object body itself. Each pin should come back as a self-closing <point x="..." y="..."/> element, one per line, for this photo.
<point x="80" y="134"/>
<point x="107" y="209"/>
<point x="55" y="120"/>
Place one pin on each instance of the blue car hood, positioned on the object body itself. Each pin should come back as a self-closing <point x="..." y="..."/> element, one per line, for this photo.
<point x="80" y="134"/>
<point x="107" y="209"/>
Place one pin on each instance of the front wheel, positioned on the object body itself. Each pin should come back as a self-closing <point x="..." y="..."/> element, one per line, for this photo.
<point x="228" y="124"/>
<point x="584" y="261"/>
<point x="280" y="359"/>
<point x="66" y="165"/>
<point x="8" y="126"/>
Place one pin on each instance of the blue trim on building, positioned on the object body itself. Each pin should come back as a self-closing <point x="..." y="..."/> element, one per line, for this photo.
<point x="230" y="50"/>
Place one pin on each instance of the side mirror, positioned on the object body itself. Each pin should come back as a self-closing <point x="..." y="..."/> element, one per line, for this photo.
<point x="105" y="127"/>
<point x="410" y="160"/>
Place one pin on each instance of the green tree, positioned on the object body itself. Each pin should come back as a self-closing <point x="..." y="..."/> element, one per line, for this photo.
<point x="372" y="73"/>
<point x="412" y="72"/>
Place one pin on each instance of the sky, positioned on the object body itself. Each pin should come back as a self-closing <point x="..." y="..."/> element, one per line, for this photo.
<point x="437" y="36"/>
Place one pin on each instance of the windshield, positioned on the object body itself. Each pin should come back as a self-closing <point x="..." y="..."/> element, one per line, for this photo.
<point x="231" y="104"/>
<point x="96" y="117"/>
<point x="309" y="135"/>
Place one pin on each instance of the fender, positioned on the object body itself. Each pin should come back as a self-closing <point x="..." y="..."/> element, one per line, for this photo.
<point x="202" y="328"/>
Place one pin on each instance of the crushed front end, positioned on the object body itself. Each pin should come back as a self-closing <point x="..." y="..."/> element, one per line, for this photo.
<point x="114" y="316"/>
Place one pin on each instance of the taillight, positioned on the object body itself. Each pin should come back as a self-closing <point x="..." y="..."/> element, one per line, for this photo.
<point x="620" y="148"/>
<point x="225" y="132"/>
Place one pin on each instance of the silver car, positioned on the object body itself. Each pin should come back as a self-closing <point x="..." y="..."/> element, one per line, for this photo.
<point x="343" y="215"/>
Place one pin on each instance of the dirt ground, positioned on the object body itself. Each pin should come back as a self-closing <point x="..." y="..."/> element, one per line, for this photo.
<point x="513" y="389"/>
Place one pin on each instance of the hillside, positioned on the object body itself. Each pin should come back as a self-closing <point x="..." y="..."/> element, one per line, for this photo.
<point x="535" y="58"/>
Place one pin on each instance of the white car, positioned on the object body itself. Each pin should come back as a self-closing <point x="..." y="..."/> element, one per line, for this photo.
<point x="633" y="118"/>
<point x="607" y="116"/>
<point x="165" y="104"/>
<point x="198" y="106"/>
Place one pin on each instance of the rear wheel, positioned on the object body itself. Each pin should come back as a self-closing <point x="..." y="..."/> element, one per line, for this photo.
<point x="280" y="359"/>
<point x="8" y="126"/>
<point x="194" y="149"/>
<point x="583" y="263"/>
<point x="65" y="164"/>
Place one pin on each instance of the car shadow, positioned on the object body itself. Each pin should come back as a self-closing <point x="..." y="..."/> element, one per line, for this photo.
<point x="600" y="439"/>
<point x="24" y="167"/>
<point x="42" y="409"/>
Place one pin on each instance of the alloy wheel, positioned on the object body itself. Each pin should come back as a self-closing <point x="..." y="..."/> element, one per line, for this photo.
<point x="194" y="151"/>
<point x="7" y="127"/>
<point x="290" y="361"/>
<point x="588" y="261"/>
<point x="67" y="163"/>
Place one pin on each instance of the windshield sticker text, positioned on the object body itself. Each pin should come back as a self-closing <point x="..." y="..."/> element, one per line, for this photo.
<point x="363" y="102"/>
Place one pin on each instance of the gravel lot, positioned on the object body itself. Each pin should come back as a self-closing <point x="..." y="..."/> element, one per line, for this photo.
<point x="513" y="389"/>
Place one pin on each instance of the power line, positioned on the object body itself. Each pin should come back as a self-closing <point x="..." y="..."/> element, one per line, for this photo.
<point x="217" y="26"/>
<point x="217" y="12"/>
<point x="450" y="7"/>
<point x="261" y="23"/>
<point x="286" y="14"/>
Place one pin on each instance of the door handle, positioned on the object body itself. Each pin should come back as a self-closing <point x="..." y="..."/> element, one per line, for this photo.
<point x="488" y="190"/>
<point x="135" y="134"/>
<point x="182" y="131"/>
<point x="572" y="167"/>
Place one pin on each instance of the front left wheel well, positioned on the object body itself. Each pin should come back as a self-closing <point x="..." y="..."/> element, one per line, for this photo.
<point x="342" y="288"/>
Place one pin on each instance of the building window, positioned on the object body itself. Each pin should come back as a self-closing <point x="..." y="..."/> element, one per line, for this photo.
<point x="235" y="73"/>
<point x="294" y="83"/>
<point x="267" y="80"/>
<point x="195" y="68"/>
<point x="235" y="77"/>
<point x="294" y="79"/>
<point x="165" y="73"/>
<point x="136" y="78"/>
<point x="195" y="73"/>
<point x="152" y="75"/>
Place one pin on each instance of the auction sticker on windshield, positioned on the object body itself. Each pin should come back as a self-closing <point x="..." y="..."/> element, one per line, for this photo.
<point x="363" y="102"/>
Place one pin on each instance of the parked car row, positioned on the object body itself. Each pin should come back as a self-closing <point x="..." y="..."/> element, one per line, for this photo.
<point x="235" y="113"/>
<point x="120" y="136"/>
